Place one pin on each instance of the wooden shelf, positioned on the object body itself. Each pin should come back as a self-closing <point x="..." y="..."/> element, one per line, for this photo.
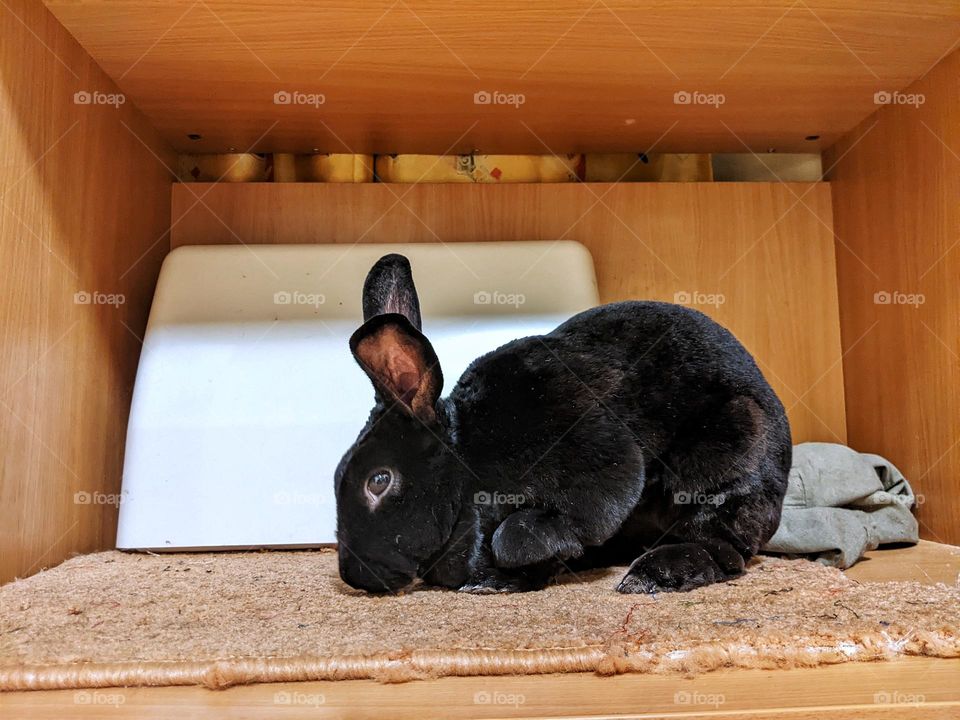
<point x="399" y="76"/>
<point x="881" y="690"/>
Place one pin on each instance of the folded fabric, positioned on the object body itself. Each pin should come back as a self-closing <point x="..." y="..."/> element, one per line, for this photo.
<point x="840" y="504"/>
<point x="478" y="168"/>
<point x="334" y="168"/>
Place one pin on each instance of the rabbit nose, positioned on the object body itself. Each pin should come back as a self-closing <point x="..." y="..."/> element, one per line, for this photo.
<point x="353" y="575"/>
<point x="366" y="575"/>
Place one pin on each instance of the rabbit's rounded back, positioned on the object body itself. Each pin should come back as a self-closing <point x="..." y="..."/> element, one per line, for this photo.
<point x="623" y="402"/>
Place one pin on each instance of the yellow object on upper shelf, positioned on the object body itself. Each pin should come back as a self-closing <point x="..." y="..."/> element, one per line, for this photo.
<point x="479" y="168"/>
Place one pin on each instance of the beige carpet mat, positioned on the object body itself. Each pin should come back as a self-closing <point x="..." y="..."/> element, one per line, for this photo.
<point x="116" y="619"/>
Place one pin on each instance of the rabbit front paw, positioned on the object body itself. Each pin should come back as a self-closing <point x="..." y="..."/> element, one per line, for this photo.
<point x="494" y="582"/>
<point x="674" y="568"/>
<point x="531" y="537"/>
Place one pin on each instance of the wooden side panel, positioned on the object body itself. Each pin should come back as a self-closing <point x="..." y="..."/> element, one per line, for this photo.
<point x="896" y="203"/>
<point x="757" y="257"/>
<point x="84" y="208"/>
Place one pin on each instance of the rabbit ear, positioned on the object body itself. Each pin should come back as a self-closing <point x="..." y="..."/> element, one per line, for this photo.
<point x="389" y="288"/>
<point x="400" y="362"/>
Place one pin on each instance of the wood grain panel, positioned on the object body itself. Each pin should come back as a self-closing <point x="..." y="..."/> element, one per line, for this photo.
<point x="757" y="257"/>
<point x="401" y="77"/>
<point x="896" y="202"/>
<point x="84" y="205"/>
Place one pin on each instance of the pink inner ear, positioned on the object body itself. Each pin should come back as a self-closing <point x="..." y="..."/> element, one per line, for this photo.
<point x="395" y="363"/>
<point x="407" y="385"/>
<point x="404" y="375"/>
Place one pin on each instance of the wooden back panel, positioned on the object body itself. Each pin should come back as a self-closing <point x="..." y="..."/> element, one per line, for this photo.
<point x="757" y="257"/>
<point x="896" y="185"/>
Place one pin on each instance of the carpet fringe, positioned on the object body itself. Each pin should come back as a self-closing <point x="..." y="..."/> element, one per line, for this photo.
<point x="617" y="656"/>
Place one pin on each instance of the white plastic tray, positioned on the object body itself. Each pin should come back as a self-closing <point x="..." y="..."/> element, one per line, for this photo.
<point x="247" y="396"/>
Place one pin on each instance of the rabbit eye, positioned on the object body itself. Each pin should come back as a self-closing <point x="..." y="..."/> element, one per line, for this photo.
<point x="378" y="483"/>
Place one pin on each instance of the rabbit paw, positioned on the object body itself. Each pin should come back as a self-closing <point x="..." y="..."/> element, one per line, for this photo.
<point x="490" y="587"/>
<point x="673" y="568"/>
<point x="530" y="537"/>
<point x="497" y="582"/>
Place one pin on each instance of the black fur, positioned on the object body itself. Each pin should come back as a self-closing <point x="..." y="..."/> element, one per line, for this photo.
<point x="635" y="432"/>
<point x="389" y="288"/>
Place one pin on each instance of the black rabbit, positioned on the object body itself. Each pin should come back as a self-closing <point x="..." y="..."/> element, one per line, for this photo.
<point x="635" y="432"/>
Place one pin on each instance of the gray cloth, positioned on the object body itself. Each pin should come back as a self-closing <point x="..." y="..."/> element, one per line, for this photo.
<point x="840" y="504"/>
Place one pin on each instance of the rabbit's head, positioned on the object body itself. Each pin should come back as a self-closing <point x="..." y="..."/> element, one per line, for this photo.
<point x="396" y="499"/>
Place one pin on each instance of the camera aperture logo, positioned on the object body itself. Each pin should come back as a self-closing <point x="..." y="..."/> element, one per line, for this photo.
<point x="914" y="300"/>
<point x="295" y="297"/>
<point x="699" y="298"/>
<point x="82" y="297"/>
<point x="295" y="97"/>
<point x="695" y="97"/>
<point x="495" y="97"/>
<point x="886" y="97"/>
<point x="495" y="297"/>
<point x="95" y="97"/>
